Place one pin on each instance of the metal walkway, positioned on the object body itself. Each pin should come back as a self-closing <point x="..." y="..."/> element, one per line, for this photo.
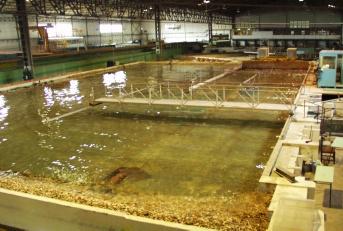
<point x="194" y="103"/>
<point x="215" y="78"/>
<point x="243" y="96"/>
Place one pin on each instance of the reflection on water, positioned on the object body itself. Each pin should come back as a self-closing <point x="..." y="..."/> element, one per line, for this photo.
<point x="4" y="109"/>
<point x="49" y="97"/>
<point x="113" y="81"/>
<point x="66" y="97"/>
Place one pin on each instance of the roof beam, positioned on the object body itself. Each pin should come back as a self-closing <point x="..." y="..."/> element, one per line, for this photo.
<point x="2" y="4"/>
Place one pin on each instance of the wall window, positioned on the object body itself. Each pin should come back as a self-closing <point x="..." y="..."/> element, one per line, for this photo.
<point x="299" y="24"/>
<point x="60" y="29"/>
<point x="328" y="62"/>
<point x="111" y="28"/>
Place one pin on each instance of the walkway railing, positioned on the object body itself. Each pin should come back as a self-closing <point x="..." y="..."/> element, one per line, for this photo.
<point x="250" y="94"/>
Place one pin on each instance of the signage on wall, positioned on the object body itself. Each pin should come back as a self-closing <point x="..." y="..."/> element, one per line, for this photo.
<point x="173" y="26"/>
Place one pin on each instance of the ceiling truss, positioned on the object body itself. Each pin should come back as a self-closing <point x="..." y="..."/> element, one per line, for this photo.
<point x="58" y="6"/>
<point x="39" y="6"/>
<point x="114" y="9"/>
<point x="2" y="4"/>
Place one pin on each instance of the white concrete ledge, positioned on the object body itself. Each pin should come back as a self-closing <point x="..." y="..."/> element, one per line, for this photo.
<point x="29" y="212"/>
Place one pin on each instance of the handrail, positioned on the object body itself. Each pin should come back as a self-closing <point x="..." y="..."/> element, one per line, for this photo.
<point x="231" y="83"/>
<point x="217" y="94"/>
<point x="186" y="85"/>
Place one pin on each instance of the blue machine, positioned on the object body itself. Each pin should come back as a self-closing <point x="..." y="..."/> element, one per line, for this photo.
<point x="330" y="68"/>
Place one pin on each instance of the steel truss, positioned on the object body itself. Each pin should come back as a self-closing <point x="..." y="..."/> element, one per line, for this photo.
<point x="2" y="4"/>
<point x="39" y="6"/>
<point x="24" y="32"/>
<point x="58" y="6"/>
<point x="76" y="6"/>
<point x="114" y="9"/>
<point x="158" y="30"/>
<point x="210" y="29"/>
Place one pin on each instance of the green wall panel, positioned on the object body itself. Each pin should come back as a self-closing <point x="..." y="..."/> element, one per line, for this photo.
<point x="52" y="66"/>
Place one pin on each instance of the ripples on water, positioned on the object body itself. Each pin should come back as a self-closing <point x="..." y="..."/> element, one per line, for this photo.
<point x="180" y="156"/>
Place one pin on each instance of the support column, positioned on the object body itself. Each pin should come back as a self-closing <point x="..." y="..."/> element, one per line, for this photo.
<point x="18" y="33"/>
<point x="122" y="31"/>
<point x="25" y="39"/>
<point x="210" y="29"/>
<point x="87" y="35"/>
<point x="233" y="25"/>
<point x="131" y="32"/>
<point x="158" y="42"/>
<point x="100" y="33"/>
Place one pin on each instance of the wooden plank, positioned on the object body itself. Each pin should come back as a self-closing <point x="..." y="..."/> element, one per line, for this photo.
<point x="196" y="86"/>
<point x="285" y="173"/>
<point x="68" y="114"/>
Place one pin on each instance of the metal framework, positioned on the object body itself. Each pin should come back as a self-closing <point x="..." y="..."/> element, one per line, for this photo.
<point x="210" y="31"/>
<point x="39" y="6"/>
<point x="58" y="6"/>
<point x="2" y="4"/>
<point x="332" y="117"/>
<point x="24" y="39"/>
<point x="76" y="7"/>
<point x="158" y="44"/>
<point x="214" y="95"/>
<point x="115" y="8"/>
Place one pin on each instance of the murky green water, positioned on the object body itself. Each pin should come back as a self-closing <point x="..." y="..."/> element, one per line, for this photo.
<point x="173" y="73"/>
<point x="174" y="156"/>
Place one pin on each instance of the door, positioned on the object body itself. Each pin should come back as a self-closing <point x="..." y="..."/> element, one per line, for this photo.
<point x="340" y="68"/>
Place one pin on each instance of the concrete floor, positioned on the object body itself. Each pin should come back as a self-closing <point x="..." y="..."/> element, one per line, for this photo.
<point x="333" y="215"/>
<point x="295" y="136"/>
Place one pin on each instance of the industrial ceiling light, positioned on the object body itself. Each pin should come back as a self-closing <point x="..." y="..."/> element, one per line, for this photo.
<point x="331" y="6"/>
<point x="207" y="1"/>
<point x="301" y="0"/>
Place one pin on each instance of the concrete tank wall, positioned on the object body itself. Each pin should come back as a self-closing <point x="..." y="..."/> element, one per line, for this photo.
<point x="29" y="212"/>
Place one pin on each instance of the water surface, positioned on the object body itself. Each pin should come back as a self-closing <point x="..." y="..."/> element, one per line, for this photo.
<point x="177" y="156"/>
